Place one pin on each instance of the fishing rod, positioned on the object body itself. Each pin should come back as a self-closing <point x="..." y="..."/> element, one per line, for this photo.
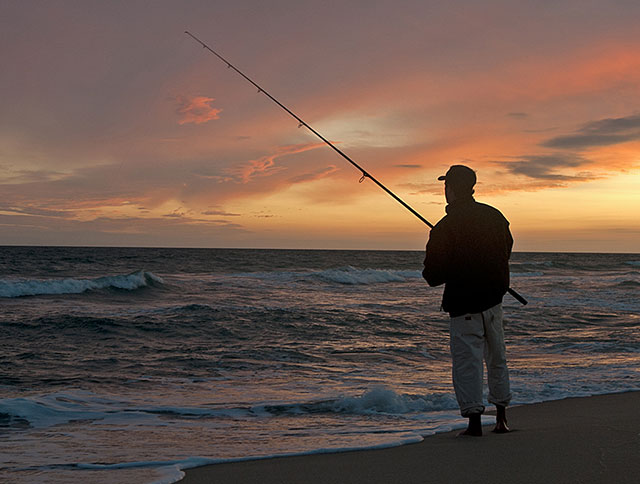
<point x="301" y="122"/>
<point x="365" y="174"/>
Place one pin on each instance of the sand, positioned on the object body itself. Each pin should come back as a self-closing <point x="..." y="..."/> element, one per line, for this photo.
<point x="576" y="440"/>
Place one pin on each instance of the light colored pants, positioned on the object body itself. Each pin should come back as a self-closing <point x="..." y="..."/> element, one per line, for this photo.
<point x="475" y="337"/>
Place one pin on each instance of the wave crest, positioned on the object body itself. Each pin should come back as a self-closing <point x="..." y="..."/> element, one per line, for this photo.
<point x="351" y="275"/>
<point x="38" y="287"/>
<point x="42" y="411"/>
<point x="384" y="400"/>
<point x="377" y="400"/>
<point x="341" y="275"/>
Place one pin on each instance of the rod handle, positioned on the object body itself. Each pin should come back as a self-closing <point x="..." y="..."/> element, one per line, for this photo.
<point x="518" y="297"/>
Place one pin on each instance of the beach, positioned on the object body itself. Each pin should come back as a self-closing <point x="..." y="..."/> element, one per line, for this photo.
<point x="588" y="440"/>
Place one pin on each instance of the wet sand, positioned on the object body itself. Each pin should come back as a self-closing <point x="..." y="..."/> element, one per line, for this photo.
<point x="576" y="440"/>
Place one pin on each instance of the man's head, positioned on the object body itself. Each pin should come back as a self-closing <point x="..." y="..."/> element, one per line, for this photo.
<point x="459" y="180"/>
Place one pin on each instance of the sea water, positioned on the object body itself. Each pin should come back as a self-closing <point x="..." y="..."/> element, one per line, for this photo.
<point x="127" y="365"/>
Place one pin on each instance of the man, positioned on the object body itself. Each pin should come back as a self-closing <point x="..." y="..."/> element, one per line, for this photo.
<point x="468" y="251"/>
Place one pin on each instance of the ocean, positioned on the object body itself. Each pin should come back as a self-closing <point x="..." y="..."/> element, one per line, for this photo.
<point x="129" y="364"/>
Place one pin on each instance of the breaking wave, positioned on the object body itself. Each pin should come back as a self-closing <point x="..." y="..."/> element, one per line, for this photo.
<point x="378" y="400"/>
<point x="342" y="275"/>
<point x="59" y="408"/>
<point x="351" y="275"/>
<point x="37" y="287"/>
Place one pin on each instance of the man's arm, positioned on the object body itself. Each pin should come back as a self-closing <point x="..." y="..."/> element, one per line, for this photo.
<point x="509" y="241"/>
<point x="436" y="261"/>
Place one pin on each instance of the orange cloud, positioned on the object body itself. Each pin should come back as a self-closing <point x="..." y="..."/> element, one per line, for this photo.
<point x="266" y="164"/>
<point x="315" y="175"/>
<point x="197" y="110"/>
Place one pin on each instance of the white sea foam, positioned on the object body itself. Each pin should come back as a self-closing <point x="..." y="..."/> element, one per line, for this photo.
<point x="169" y="471"/>
<point x="381" y="399"/>
<point x="351" y="275"/>
<point x="35" y="287"/>
<point x="342" y="275"/>
<point x="48" y="410"/>
<point x="41" y="411"/>
<point x="172" y="471"/>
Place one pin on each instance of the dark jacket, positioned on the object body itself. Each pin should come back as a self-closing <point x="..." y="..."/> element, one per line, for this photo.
<point x="468" y="251"/>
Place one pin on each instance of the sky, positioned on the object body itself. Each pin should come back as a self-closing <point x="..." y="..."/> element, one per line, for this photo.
<point x="117" y="129"/>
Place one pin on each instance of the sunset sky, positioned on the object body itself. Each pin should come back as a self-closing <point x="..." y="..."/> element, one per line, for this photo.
<point x="118" y="129"/>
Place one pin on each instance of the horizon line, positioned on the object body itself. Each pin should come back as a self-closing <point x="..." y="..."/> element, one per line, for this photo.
<point x="286" y="249"/>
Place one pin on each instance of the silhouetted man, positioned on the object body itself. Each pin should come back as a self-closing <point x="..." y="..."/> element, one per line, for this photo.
<point x="468" y="251"/>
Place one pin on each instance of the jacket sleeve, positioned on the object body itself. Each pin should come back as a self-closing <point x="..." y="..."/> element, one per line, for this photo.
<point x="436" y="261"/>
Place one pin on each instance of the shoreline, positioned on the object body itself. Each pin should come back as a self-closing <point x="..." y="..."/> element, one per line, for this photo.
<point x="592" y="439"/>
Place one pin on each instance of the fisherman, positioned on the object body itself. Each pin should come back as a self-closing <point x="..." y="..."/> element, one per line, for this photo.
<point x="468" y="251"/>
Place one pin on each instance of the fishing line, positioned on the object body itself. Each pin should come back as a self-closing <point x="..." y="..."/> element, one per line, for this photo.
<point x="301" y="123"/>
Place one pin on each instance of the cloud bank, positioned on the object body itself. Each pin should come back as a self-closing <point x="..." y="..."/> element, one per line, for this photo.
<point x="545" y="167"/>
<point x="604" y="132"/>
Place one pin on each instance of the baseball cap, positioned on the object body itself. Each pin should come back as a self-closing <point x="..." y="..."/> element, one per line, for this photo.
<point x="459" y="176"/>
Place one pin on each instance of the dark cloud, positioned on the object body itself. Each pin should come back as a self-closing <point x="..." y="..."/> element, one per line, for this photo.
<point x="545" y="167"/>
<point x="36" y="211"/>
<point x="541" y="130"/>
<point x="220" y="213"/>
<point x="407" y="166"/>
<point x="518" y="115"/>
<point x="134" y="231"/>
<point x="604" y="132"/>
<point x="10" y="175"/>
<point x="433" y="188"/>
<point x="201" y="184"/>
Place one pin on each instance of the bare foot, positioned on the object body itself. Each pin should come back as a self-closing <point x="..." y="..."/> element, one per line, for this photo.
<point x="474" y="428"/>
<point x="501" y="421"/>
<point x="501" y="428"/>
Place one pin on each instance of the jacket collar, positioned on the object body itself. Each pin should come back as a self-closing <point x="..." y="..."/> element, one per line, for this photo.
<point x="459" y="204"/>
